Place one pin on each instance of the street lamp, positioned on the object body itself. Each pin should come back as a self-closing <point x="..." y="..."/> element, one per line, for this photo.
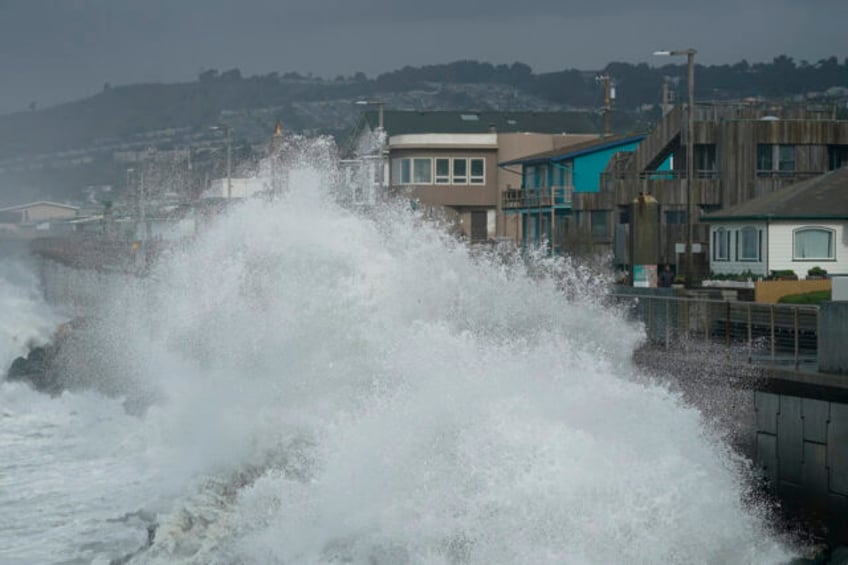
<point x="690" y="151"/>
<point x="227" y="130"/>
<point x="379" y="104"/>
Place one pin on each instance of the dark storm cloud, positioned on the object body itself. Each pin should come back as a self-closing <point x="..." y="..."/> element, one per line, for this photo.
<point x="52" y="50"/>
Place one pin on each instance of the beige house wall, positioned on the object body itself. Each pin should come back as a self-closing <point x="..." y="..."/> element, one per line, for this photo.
<point x="494" y="148"/>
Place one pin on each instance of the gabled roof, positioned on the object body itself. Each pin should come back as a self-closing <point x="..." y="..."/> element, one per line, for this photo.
<point x="398" y="122"/>
<point x="823" y="197"/>
<point x="40" y="202"/>
<point x="576" y="150"/>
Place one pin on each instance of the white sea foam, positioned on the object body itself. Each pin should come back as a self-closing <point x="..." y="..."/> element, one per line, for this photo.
<point x="335" y="388"/>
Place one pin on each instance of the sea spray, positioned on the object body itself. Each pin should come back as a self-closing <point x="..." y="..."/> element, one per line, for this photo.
<point x="328" y="385"/>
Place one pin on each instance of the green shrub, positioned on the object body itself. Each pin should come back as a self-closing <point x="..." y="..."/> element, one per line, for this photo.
<point x="784" y="274"/>
<point x="814" y="297"/>
<point x="817" y="272"/>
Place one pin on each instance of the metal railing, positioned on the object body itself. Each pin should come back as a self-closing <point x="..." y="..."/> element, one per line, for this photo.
<point x="778" y="334"/>
<point x="542" y="197"/>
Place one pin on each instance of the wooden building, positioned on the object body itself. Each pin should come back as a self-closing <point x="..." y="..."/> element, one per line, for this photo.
<point x="741" y="152"/>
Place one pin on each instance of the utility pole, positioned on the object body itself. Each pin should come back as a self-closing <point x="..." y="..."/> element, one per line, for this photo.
<point x="690" y="155"/>
<point x="609" y="95"/>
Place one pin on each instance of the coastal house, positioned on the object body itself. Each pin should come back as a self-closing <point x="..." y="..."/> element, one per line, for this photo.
<point x="553" y="181"/>
<point x="741" y="152"/>
<point x="800" y="226"/>
<point x="25" y="219"/>
<point x="447" y="161"/>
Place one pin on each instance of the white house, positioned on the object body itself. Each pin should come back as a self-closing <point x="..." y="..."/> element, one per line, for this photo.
<point x="801" y="226"/>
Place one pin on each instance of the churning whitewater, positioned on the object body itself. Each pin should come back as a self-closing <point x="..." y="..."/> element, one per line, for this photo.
<point x="305" y="383"/>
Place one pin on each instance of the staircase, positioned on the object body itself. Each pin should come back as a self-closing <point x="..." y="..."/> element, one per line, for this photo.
<point x="655" y="148"/>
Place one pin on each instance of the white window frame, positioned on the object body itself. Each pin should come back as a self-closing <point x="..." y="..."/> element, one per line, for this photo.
<point x="443" y="179"/>
<point x="415" y="178"/>
<point x="807" y="229"/>
<point x="721" y="236"/>
<point x="476" y="179"/>
<point x="454" y="180"/>
<point x="740" y="244"/>
<point x="398" y="165"/>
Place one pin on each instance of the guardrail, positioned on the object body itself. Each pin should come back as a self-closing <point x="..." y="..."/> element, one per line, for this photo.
<point x="775" y="333"/>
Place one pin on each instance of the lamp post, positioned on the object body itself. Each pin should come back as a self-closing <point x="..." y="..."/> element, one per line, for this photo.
<point x="227" y="130"/>
<point x="690" y="152"/>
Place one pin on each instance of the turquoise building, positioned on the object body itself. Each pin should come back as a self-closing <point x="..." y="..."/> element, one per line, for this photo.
<point x="549" y="182"/>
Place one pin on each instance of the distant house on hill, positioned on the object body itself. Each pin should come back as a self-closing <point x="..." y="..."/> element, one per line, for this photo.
<point x="448" y="160"/>
<point x="795" y="228"/>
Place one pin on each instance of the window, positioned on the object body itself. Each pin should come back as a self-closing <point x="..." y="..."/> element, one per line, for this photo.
<point x="442" y="171"/>
<point x="422" y="171"/>
<point x="460" y="171"/>
<point x="773" y="158"/>
<point x="530" y="177"/>
<point x="675" y="217"/>
<point x="401" y="171"/>
<point x="786" y="158"/>
<point x="748" y="244"/>
<point x="478" y="171"/>
<point x="765" y="157"/>
<point x="837" y="156"/>
<point x="813" y="244"/>
<point x="600" y="223"/>
<point x="705" y="157"/>
<point x="721" y="245"/>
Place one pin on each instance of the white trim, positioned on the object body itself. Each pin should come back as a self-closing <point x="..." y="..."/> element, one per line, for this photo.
<point x="453" y="177"/>
<point x="830" y="231"/>
<point x="447" y="180"/>
<point x="453" y="140"/>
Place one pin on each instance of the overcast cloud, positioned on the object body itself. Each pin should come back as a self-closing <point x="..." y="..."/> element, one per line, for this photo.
<point x="56" y="50"/>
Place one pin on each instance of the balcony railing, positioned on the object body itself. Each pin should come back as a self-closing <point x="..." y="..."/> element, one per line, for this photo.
<point x="542" y="197"/>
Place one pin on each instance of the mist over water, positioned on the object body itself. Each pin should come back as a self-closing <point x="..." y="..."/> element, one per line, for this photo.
<point x="326" y="386"/>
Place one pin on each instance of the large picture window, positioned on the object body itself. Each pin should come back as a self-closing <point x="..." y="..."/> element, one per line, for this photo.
<point x="439" y="170"/>
<point x="813" y="244"/>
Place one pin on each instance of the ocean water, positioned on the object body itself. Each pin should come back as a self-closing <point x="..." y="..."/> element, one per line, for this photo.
<point x="306" y="383"/>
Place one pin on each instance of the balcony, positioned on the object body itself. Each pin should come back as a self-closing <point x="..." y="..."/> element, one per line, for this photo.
<point x="521" y="199"/>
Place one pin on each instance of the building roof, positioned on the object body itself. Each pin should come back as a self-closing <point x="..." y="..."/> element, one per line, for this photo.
<point x="824" y="197"/>
<point x="576" y="150"/>
<point x="397" y="122"/>
<point x="39" y="203"/>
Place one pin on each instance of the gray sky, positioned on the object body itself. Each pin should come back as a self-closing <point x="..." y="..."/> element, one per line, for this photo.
<point x="57" y="50"/>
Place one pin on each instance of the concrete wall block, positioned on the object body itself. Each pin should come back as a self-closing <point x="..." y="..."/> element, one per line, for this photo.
<point x="790" y="442"/>
<point x="833" y="335"/>
<point x="837" y="448"/>
<point x="814" y="470"/>
<point x="816" y="413"/>
<point x="767" y="456"/>
<point x="766" y="406"/>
